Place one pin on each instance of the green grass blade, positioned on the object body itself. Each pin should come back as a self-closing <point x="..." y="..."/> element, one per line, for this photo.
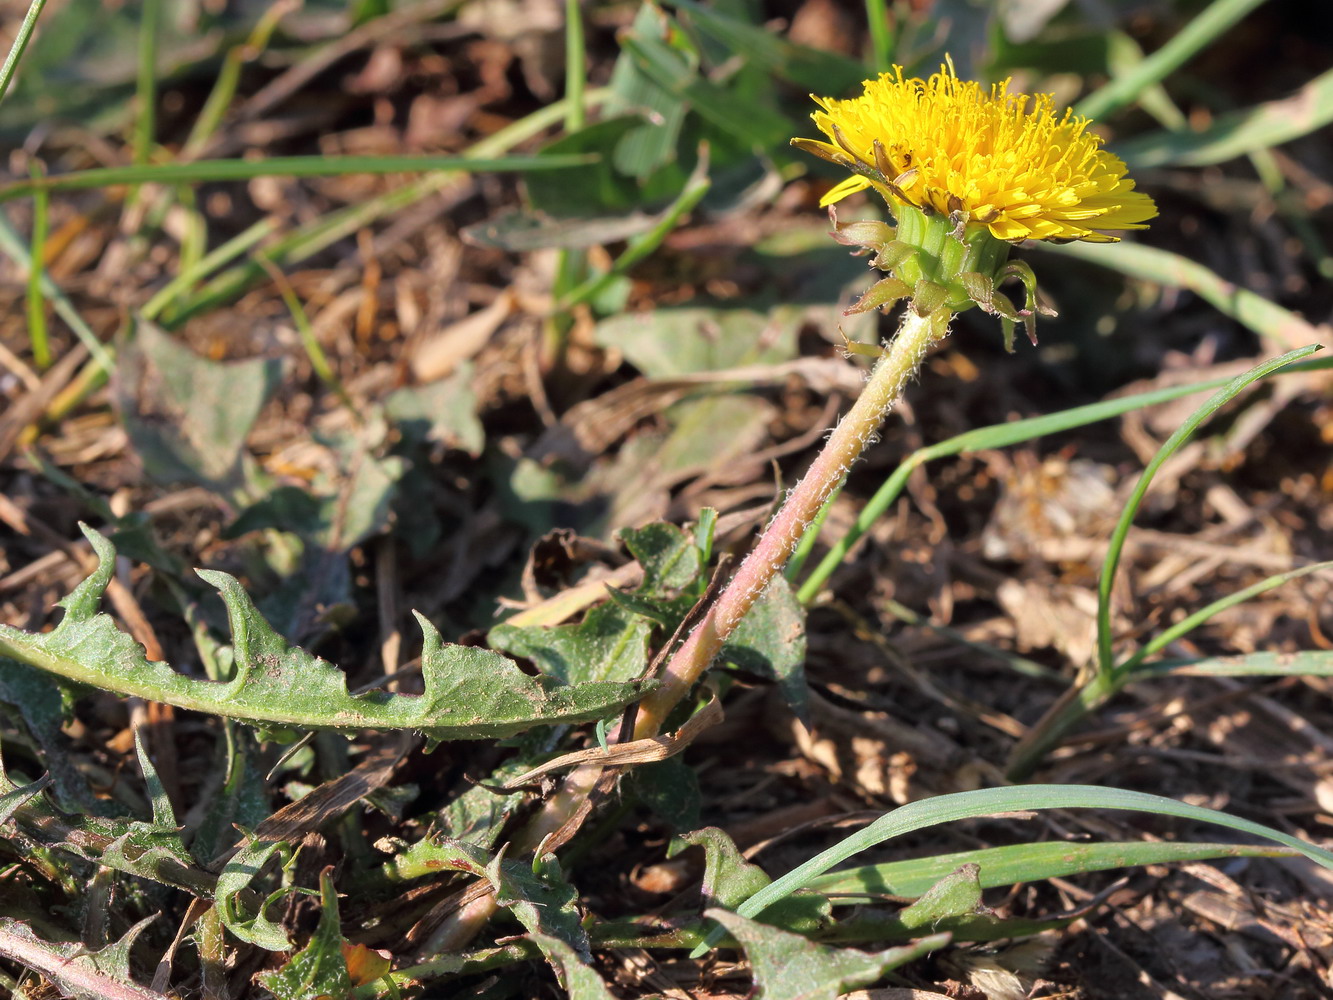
<point x="1308" y="662"/>
<point x="36" y="297"/>
<point x="12" y="245"/>
<point x="1016" y="863"/>
<point x="1105" y="656"/>
<point x="206" y="264"/>
<point x="229" y="76"/>
<point x="1191" y="622"/>
<point x="989" y="801"/>
<point x="1268" y="319"/>
<point x="1237" y="133"/>
<point x="145" y="123"/>
<point x="576" y="67"/>
<point x="20" y="43"/>
<point x="208" y="171"/>
<point x="1124" y="56"/>
<point x="881" y="34"/>
<point x="645" y="243"/>
<point x="998" y="436"/>
<point x="1199" y="32"/>
<point x="314" y="236"/>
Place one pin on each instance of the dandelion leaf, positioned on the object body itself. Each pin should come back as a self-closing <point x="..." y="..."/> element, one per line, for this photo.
<point x="788" y="967"/>
<point x="729" y="880"/>
<point x="469" y="693"/>
<point x="86" y="975"/>
<point x="320" y="968"/>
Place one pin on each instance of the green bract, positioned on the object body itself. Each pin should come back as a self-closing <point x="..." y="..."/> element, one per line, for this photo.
<point x="940" y="261"/>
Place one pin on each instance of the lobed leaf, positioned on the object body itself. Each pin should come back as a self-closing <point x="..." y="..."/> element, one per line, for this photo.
<point x="320" y="968"/>
<point x="788" y="967"/>
<point x="469" y="693"/>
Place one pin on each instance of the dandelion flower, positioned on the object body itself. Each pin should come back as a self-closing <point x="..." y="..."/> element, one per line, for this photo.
<point x="1006" y="162"/>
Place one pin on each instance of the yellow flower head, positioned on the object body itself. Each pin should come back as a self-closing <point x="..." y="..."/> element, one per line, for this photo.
<point x="1004" y="161"/>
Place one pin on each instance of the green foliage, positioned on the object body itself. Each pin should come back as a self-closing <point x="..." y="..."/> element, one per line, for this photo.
<point x="537" y="893"/>
<point x="1017" y="863"/>
<point x="188" y="417"/>
<point x="469" y="692"/>
<point x="319" y="969"/>
<point x="610" y="644"/>
<point x="695" y="122"/>
<point x="729" y="880"/>
<point x="103" y="974"/>
<point x="251" y="923"/>
<point x="788" y="967"/>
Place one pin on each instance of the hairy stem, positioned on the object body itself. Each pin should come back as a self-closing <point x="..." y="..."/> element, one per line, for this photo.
<point x="767" y="559"/>
<point x="848" y="440"/>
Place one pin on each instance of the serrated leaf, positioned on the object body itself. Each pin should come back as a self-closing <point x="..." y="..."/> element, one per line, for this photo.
<point x="242" y="869"/>
<point x="542" y="900"/>
<point x="957" y="894"/>
<point x="788" y="967"/>
<point x="320" y="968"/>
<point x="579" y="979"/>
<point x="143" y="849"/>
<point x="469" y="693"/>
<point x="87" y="975"/>
<point x="770" y="642"/>
<point x="729" y="880"/>
<point x="163" y="814"/>
<point x="669" y="558"/>
<point x="610" y="644"/>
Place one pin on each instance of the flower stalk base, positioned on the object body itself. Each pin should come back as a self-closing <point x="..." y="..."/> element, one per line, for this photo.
<point x="767" y="559"/>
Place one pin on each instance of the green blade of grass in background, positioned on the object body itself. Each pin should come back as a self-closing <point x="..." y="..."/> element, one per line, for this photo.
<point x="950" y="808"/>
<point x="36" y="299"/>
<point x="19" y="45"/>
<point x="209" y="171"/>
<point x="1105" y="636"/>
<point x="11" y="244"/>
<point x="314" y="236"/>
<point x="207" y="264"/>
<point x="1268" y="319"/>
<point x="881" y="34"/>
<point x="229" y="77"/>
<point x="145" y="122"/>
<point x="998" y="436"/>
<point x="1193" y="621"/>
<point x="642" y="245"/>
<point x="1017" y="863"/>
<point x="1237" y="133"/>
<point x="1308" y="662"/>
<point x="1199" y="32"/>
